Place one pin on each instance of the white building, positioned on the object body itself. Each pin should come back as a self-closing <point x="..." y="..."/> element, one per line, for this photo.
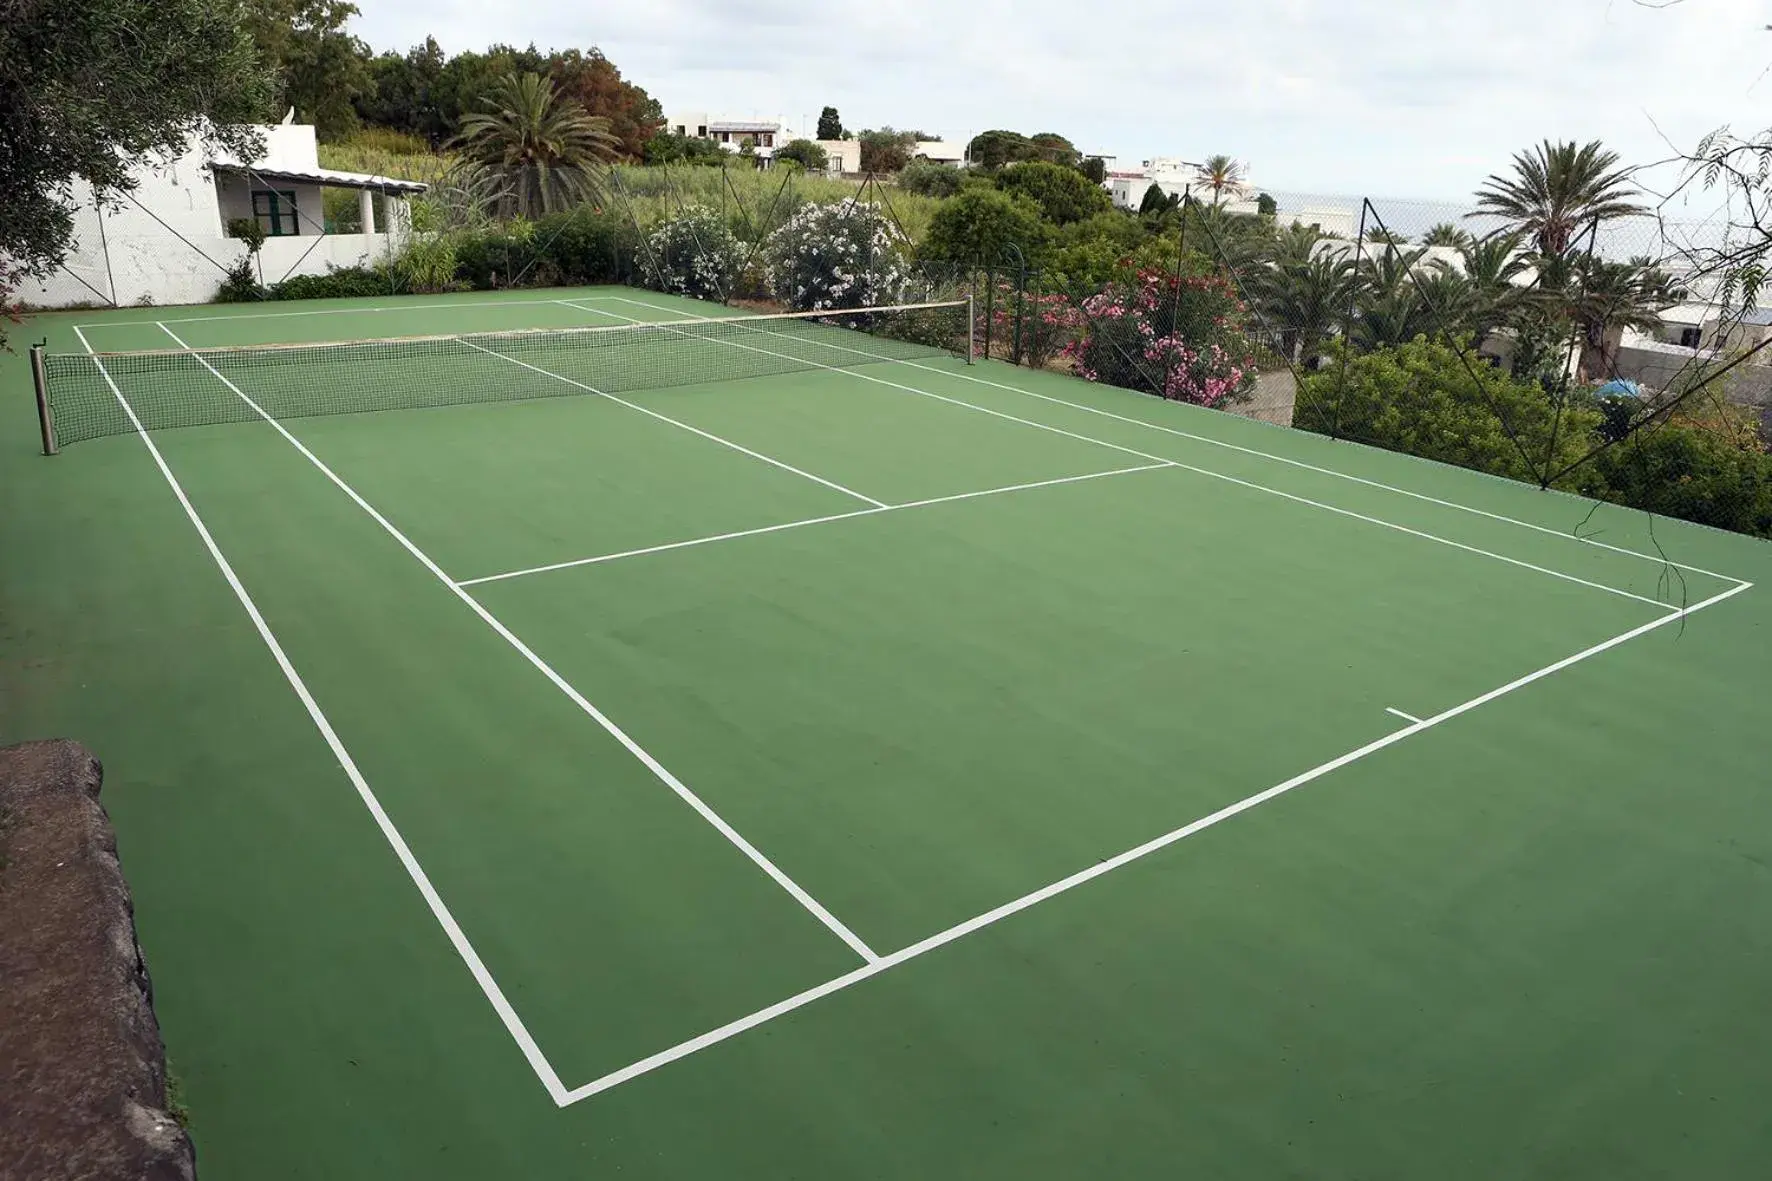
<point x="941" y="151"/>
<point x="732" y="134"/>
<point x="167" y="240"/>
<point x="1175" y="176"/>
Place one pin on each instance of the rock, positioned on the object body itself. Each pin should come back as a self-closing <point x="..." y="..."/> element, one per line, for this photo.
<point x="82" y="1066"/>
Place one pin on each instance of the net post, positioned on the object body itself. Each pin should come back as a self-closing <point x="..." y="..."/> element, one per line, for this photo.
<point x="971" y="331"/>
<point x="45" y="415"/>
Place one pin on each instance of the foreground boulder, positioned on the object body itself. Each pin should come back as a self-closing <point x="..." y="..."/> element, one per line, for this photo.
<point x="82" y="1067"/>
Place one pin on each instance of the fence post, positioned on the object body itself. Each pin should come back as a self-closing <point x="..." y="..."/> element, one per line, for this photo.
<point x="971" y="331"/>
<point x="45" y="415"/>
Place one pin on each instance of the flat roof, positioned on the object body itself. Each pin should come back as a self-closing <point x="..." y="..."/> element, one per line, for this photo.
<point x="330" y="177"/>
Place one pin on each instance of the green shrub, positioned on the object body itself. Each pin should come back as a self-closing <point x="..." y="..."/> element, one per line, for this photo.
<point x="495" y="257"/>
<point x="241" y="285"/>
<point x="584" y="247"/>
<point x="1420" y="398"/>
<point x="336" y="283"/>
<point x="1063" y="194"/>
<point x="428" y="264"/>
<point x="1684" y="470"/>
<point x="693" y="254"/>
<point x="1178" y="337"/>
<point x="805" y="153"/>
<point x="837" y="256"/>
<point x="979" y="226"/>
<point x="929" y="179"/>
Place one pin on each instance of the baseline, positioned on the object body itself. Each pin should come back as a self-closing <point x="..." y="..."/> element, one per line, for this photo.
<point x="959" y="930"/>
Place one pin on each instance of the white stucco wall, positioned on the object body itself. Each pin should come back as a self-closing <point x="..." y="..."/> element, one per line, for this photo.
<point x="844" y="154"/>
<point x="165" y="243"/>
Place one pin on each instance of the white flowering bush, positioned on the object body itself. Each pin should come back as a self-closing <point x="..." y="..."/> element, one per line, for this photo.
<point x="849" y="255"/>
<point x="694" y="254"/>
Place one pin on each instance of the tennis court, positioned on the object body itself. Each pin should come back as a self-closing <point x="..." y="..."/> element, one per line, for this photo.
<point x="788" y="747"/>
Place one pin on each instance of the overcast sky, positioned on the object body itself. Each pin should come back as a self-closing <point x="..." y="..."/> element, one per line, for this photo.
<point x="1403" y="98"/>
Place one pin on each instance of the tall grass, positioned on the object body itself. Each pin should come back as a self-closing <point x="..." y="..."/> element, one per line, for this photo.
<point x="402" y="157"/>
<point x="752" y="200"/>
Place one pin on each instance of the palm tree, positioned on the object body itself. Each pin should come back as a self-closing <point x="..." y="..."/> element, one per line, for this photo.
<point x="1491" y="265"/>
<point x="1558" y="188"/>
<point x="1609" y="297"/>
<point x="546" y="148"/>
<point x="1222" y="174"/>
<point x="1294" y="245"/>
<point x="1446" y="234"/>
<point x="1303" y="299"/>
<point x="1382" y="237"/>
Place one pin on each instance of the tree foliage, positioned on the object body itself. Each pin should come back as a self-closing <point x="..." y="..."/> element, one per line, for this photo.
<point x="978" y="227"/>
<point x="595" y="84"/>
<point x="87" y="88"/>
<point x="1093" y="167"/>
<point x="402" y="92"/>
<point x="546" y="149"/>
<point x="1680" y="469"/>
<point x="1222" y="174"/>
<point x="886" y="150"/>
<point x="830" y="124"/>
<point x="931" y="179"/>
<point x="1556" y="190"/>
<point x="319" y="68"/>
<point x="806" y="153"/>
<point x="1055" y="149"/>
<point x="1063" y="194"/>
<point x="670" y="148"/>
<point x="994" y="149"/>
<point x="1156" y="202"/>
<point x="1422" y="398"/>
<point x="425" y="93"/>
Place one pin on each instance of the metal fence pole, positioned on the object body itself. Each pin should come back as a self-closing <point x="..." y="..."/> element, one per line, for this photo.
<point x="45" y="414"/>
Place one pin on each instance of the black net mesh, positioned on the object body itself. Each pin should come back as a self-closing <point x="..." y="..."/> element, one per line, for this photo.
<point x="170" y="388"/>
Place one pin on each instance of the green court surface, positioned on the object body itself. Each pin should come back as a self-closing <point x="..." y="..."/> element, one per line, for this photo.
<point x="902" y="769"/>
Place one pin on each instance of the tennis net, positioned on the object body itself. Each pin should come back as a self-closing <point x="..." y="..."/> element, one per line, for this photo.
<point x="81" y="396"/>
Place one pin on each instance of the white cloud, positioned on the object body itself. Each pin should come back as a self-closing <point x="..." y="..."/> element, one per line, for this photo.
<point x="1395" y="97"/>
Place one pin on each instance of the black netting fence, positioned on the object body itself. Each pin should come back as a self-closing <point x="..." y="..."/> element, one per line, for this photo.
<point x="1609" y="358"/>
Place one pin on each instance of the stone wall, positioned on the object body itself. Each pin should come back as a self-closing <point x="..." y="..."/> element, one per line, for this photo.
<point x="82" y="1067"/>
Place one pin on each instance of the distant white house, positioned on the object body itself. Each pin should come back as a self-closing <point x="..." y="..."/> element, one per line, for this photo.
<point x="766" y="136"/>
<point x="167" y="240"/>
<point x="733" y="134"/>
<point x="1174" y="176"/>
<point x="941" y="151"/>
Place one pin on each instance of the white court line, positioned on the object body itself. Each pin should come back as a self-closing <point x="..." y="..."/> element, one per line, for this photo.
<point x="413" y="307"/>
<point x="458" y="939"/>
<point x="922" y="947"/>
<point x="1658" y="559"/>
<point x="694" y="430"/>
<point x="1406" y="717"/>
<point x="1041" y="426"/>
<point x="658" y="769"/>
<point x="864" y="512"/>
